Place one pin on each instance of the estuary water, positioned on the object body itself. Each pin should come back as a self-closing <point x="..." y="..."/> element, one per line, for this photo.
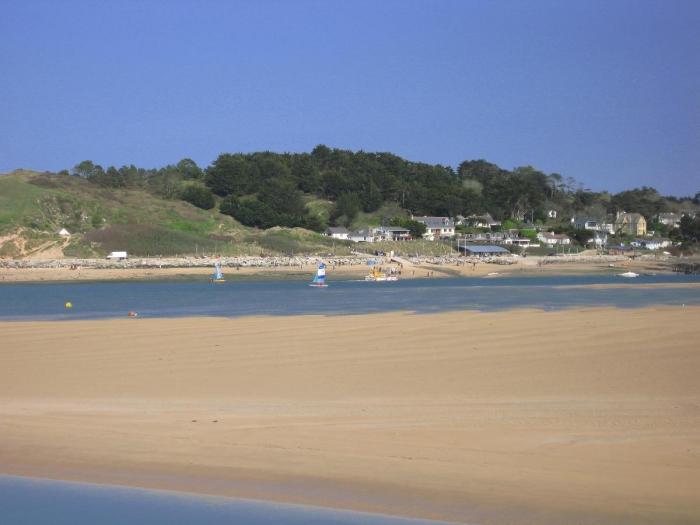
<point x="25" y="501"/>
<point x="99" y="300"/>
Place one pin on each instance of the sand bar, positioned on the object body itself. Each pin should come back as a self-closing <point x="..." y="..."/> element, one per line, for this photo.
<point x="578" y="416"/>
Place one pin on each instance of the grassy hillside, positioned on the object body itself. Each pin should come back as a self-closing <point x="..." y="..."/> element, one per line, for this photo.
<point x="34" y="207"/>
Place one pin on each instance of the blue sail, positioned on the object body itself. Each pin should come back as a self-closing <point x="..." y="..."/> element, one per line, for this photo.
<point x="320" y="277"/>
<point x="217" y="272"/>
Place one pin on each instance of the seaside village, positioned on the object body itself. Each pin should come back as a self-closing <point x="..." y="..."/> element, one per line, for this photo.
<point x="626" y="233"/>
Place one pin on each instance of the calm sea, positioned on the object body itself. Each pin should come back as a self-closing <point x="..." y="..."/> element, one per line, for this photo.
<point x="25" y="501"/>
<point x="241" y="298"/>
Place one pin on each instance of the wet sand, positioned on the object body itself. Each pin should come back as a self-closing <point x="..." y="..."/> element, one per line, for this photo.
<point x="577" y="416"/>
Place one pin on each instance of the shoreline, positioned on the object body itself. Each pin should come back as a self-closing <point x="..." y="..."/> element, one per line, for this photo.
<point x="337" y="268"/>
<point x="200" y="497"/>
<point x="442" y="416"/>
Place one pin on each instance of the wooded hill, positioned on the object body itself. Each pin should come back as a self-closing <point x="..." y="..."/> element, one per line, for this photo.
<point x="267" y="189"/>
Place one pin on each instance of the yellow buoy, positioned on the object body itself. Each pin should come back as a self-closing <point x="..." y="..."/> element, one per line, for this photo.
<point x="69" y="305"/>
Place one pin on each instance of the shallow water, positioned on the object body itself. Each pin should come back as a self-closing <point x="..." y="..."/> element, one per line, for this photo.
<point x="231" y="299"/>
<point x="25" y="501"/>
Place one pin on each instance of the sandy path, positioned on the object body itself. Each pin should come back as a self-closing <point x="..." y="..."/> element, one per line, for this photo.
<point x="586" y="416"/>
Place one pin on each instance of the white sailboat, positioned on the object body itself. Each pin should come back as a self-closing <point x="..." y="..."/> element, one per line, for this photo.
<point x="319" y="280"/>
<point x="217" y="276"/>
<point x="629" y="274"/>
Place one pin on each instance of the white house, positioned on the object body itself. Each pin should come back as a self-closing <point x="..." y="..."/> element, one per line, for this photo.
<point x="523" y="242"/>
<point x="552" y="214"/>
<point x="361" y="236"/>
<point x="553" y="239"/>
<point x="391" y="233"/>
<point x="437" y="227"/>
<point x="654" y="244"/>
<point x="586" y="223"/>
<point x="64" y="233"/>
<point x="600" y="238"/>
<point x="669" y="219"/>
<point x="117" y="256"/>
<point x="481" y="221"/>
<point x="337" y="232"/>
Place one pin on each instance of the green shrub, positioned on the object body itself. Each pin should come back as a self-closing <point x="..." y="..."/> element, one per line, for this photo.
<point x="198" y="196"/>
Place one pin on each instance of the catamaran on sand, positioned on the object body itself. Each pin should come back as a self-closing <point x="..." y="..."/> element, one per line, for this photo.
<point x="375" y="274"/>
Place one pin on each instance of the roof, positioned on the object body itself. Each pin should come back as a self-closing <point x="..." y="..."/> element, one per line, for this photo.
<point x="337" y="229"/>
<point x="435" y="222"/>
<point x="484" y="217"/>
<point x="632" y="217"/>
<point x="550" y="235"/>
<point x="484" y="248"/>
<point x="394" y="229"/>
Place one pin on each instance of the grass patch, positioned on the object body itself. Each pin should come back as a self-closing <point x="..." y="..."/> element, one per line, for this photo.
<point x="319" y="208"/>
<point x="286" y="241"/>
<point x="17" y="199"/>
<point x="147" y="240"/>
<point x="376" y="218"/>
<point x="9" y="249"/>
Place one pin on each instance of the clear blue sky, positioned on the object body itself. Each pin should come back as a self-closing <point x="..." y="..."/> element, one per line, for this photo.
<point x="607" y="92"/>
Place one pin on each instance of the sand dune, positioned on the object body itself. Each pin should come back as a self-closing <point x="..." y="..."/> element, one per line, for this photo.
<point x="585" y="416"/>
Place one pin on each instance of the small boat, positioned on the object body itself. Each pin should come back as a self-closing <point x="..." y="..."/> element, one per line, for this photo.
<point x="319" y="280"/>
<point x="377" y="276"/>
<point x="217" y="276"/>
<point x="629" y="274"/>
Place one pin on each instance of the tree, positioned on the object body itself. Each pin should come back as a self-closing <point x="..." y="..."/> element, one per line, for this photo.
<point x="282" y="196"/>
<point x="86" y="169"/>
<point x="249" y="212"/>
<point x="198" y="196"/>
<point x="690" y="229"/>
<point x="347" y="207"/>
<point x="644" y="200"/>
<point x="417" y="229"/>
<point x="230" y="175"/>
<point x="371" y="198"/>
<point x="189" y="169"/>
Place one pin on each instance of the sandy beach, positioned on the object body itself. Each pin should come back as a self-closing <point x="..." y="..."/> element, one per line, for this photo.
<point x="185" y="271"/>
<point x="580" y="416"/>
